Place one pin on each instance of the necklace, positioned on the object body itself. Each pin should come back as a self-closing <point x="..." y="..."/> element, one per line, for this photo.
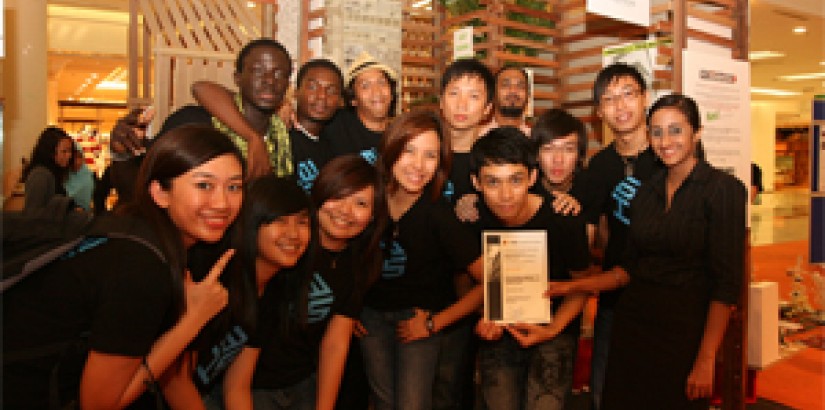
<point x="628" y="165"/>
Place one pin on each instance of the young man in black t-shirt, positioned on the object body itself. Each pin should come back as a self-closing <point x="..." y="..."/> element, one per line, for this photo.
<point x="613" y="177"/>
<point x="371" y="95"/>
<point x="527" y="366"/>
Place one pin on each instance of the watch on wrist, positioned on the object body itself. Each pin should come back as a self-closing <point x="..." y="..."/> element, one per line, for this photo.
<point x="429" y="323"/>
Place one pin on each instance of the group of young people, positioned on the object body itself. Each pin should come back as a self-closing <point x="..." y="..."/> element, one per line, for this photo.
<point x="354" y="247"/>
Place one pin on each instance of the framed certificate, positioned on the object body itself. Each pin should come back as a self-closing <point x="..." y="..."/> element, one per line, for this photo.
<point x="515" y="277"/>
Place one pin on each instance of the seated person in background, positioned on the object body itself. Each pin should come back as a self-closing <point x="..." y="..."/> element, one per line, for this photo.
<point x="47" y="168"/>
<point x="527" y="366"/>
<point x="81" y="181"/>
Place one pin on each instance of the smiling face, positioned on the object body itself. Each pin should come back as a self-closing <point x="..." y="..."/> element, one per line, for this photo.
<point x="63" y="152"/>
<point x="343" y="219"/>
<point x="204" y="201"/>
<point x="319" y="94"/>
<point x="264" y="78"/>
<point x="373" y="95"/>
<point x="511" y="93"/>
<point x="282" y="242"/>
<point x="464" y="102"/>
<point x="622" y="106"/>
<point x="672" y="138"/>
<point x="558" y="157"/>
<point x="505" y="189"/>
<point x="416" y="165"/>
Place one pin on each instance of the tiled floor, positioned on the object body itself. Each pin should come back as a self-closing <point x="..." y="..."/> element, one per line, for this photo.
<point x="781" y="216"/>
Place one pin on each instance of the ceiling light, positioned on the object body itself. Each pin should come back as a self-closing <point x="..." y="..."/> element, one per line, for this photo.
<point x="800" y="77"/>
<point x="800" y="30"/>
<point x="822" y="63"/>
<point x="774" y="92"/>
<point x="250" y="4"/>
<point x="764" y="54"/>
<point x="111" y="85"/>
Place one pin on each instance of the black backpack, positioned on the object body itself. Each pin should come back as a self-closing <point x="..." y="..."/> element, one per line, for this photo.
<point x="33" y="240"/>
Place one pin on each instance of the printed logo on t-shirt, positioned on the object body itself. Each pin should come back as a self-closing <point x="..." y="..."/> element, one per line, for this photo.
<point x="307" y="172"/>
<point x="222" y="355"/>
<point x="395" y="262"/>
<point x="623" y="193"/>
<point x="449" y="190"/>
<point x="370" y="154"/>
<point x="320" y="299"/>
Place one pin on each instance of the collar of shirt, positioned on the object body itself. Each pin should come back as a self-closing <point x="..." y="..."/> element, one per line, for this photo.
<point x="699" y="174"/>
<point x="303" y="130"/>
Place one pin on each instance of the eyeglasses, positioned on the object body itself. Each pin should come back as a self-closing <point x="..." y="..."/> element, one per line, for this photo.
<point x="627" y="95"/>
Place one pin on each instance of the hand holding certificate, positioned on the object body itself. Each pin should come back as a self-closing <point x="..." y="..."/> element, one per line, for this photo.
<point x="515" y="277"/>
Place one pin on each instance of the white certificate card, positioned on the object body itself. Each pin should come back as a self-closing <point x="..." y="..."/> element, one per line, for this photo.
<point x="515" y="277"/>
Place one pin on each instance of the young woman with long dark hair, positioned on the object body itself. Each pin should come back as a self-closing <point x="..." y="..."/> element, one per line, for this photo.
<point x="47" y="168"/>
<point x="137" y="308"/>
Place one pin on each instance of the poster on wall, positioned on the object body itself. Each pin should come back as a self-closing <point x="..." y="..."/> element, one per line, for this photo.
<point x="463" y="43"/>
<point x="631" y="11"/>
<point x="642" y="55"/>
<point x="721" y="87"/>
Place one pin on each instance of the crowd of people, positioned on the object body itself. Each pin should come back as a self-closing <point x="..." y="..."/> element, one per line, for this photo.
<point x="328" y="254"/>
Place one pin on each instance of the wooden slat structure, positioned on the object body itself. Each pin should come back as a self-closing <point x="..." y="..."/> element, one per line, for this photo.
<point x="188" y="40"/>
<point x="421" y="62"/>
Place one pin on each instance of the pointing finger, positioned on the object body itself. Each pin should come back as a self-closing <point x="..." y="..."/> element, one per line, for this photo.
<point x="219" y="266"/>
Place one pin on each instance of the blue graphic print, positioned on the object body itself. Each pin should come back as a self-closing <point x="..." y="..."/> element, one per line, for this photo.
<point x="83" y="246"/>
<point x="222" y="355"/>
<point x="623" y="193"/>
<point x="320" y="299"/>
<point x="370" y="154"/>
<point x="307" y="171"/>
<point x="395" y="262"/>
<point x="449" y="190"/>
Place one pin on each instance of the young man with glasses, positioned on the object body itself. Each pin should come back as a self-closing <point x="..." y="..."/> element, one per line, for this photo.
<point x="614" y="175"/>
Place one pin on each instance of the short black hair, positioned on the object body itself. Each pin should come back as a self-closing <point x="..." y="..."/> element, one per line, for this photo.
<point x="319" y="63"/>
<point x="502" y="146"/>
<point x="469" y="67"/>
<point x="349" y="93"/>
<point x="556" y="123"/>
<point x="260" y="42"/>
<point x="610" y="74"/>
<point x="684" y="104"/>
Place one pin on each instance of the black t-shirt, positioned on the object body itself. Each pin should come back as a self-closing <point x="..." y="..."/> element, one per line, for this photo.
<point x="119" y="292"/>
<point x="428" y="244"/>
<point x="567" y="248"/>
<point x="346" y="134"/>
<point x="609" y="192"/>
<point x="459" y="183"/>
<point x="284" y="362"/>
<point x="217" y="349"/>
<point x="308" y="156"/>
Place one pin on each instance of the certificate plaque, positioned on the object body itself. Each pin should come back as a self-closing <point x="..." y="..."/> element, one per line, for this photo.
<point x="515" y="277"/>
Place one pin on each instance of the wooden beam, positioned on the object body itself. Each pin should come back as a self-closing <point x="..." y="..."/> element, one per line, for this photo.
<point x="532" y="61"/>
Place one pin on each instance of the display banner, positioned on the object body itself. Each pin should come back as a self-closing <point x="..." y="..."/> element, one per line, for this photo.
<point x="463" y="43"/>
<point x="642" y="55"/>
<point x="817" y="232"/>
<point x="721" y="87"/>
<point x="631" y="11"/>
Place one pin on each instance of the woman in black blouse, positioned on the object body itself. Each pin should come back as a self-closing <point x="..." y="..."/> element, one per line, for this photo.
<point x="682" y="269"/>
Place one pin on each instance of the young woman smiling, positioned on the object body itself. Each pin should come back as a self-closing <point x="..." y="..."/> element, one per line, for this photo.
<point x="424" y="244"/>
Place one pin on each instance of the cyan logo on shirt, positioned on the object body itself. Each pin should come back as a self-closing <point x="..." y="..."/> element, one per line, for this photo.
<point x="623" y="193"/>
<point x="395" y="262"/>
<point x="307" y="172"/>
<point x="223" y="353"/>
<point x="449" y="190"/>
<point x="320" y="299"/>
<point x="370" y="154"/>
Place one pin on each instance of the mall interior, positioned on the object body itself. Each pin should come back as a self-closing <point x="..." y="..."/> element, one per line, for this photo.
<point x="67" y="63"/>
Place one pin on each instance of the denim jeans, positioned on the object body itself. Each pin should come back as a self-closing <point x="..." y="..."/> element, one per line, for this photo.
<point x="300" y="396"/>
<point x="534" y="378"/>
<point x="400" y="374"/>
<point x="601" y="345"/>
<point x="456" y="365"/>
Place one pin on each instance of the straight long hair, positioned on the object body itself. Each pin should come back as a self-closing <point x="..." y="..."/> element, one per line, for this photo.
<point x="175" y="153"/>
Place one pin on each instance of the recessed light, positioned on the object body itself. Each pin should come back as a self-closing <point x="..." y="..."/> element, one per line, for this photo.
<point x="765" y="54"/>
<point x="800" y="30"/>
<point x="774" y="92"/>
<point x="801" y="77"/>
<point x="250" y="4"/>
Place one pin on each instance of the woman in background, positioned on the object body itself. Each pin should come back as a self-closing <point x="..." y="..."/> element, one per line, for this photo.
<point x="47" y="168"/>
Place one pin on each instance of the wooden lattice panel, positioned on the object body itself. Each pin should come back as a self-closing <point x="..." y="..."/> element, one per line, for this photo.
<point x="421" y="63"/>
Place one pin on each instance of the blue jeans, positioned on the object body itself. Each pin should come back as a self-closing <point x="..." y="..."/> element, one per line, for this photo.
<point x="455" y="366"/>
<point x="534" y="378"/>
<point x="400" y="374"/>
<point x="300" y="396"/>
<point x="601" y="345"/>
